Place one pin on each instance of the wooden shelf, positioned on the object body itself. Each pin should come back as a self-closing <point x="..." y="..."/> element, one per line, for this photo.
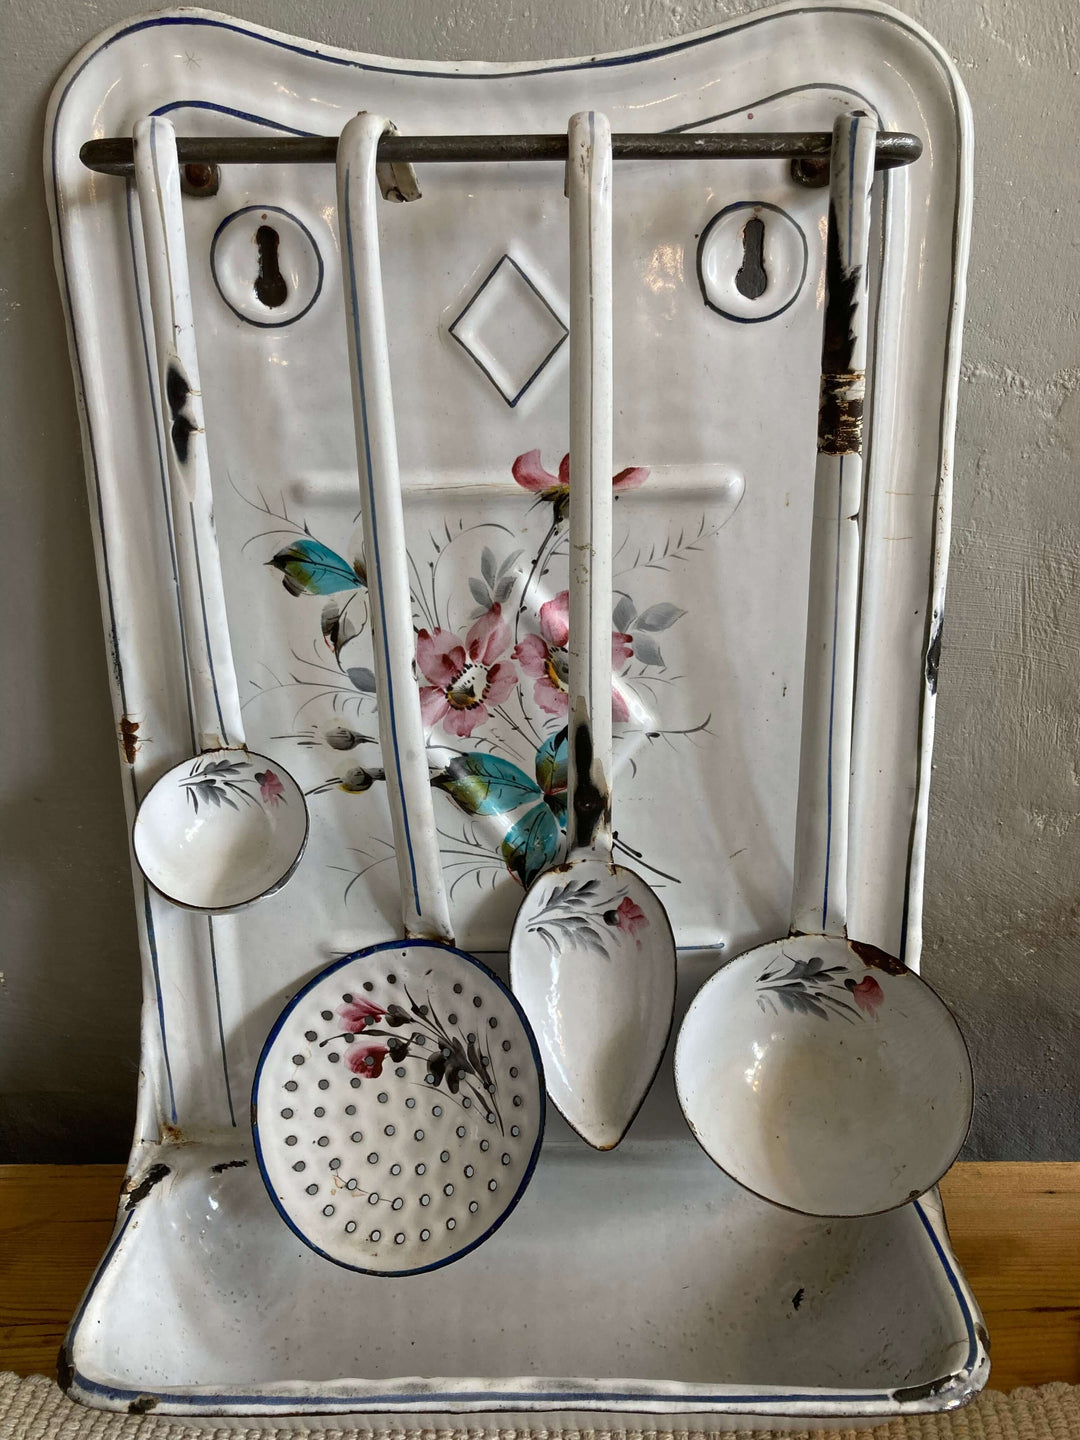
<point x="1015" y="1227"/>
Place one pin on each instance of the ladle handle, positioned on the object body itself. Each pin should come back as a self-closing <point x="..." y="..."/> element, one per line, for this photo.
<point x="211" y="678"/>
<point x="401" y="731"/>
<point x="819" y="902"/>
<point x="588" y="186"/>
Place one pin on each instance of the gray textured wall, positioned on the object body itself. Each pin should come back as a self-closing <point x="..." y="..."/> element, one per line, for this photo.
<point x="1003" y="887"/>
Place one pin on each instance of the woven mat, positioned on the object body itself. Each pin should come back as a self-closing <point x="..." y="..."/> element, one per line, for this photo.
<point x="34" y="1408"/>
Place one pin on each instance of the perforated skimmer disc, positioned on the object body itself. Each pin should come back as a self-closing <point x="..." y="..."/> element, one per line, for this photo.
<point x="398" y="1108"/>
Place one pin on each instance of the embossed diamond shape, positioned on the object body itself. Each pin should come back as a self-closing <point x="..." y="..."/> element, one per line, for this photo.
<point x="509" y="329"/>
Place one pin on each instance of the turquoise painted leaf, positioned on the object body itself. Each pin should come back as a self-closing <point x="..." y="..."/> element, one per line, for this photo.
<point x="551" y="762"/>
<point x="308" y="567"/>
<point x="484" y="784"/>
<point x="531" y="844"/>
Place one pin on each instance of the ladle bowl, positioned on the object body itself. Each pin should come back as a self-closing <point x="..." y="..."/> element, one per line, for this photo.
<point x="825" y="1076"/>
<point x="221" y="830"/>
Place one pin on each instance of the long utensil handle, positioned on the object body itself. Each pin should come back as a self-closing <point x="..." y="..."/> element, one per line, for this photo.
<point x="819" y="901"/>
<point x="588" y="186"/>
<point x="211" y="677"/>
<point x="401" y="730"/>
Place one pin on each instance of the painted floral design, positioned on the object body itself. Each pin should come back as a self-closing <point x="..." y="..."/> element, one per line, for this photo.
<point x="555" y="489"/>
<point x="366" y="1060"/>
<point x="359" y="1014"/>
<point x="491" y="657"/>
<point x="578" y="913"/>
<point x="452" y="1060"/>
<point x="866" y="993"/>
<point x="270" y="787"/>
<point x="467" y="679"/>
<point x="810" y="987"/>
<point x="627" y="917"/>
<point x="545" y="657"/>
<point x="214" y="783"/>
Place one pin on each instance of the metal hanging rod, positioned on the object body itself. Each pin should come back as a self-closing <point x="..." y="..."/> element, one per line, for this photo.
<point x="113" y="156"/>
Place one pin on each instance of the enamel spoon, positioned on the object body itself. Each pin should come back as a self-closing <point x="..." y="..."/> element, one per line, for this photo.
<point x="592" y="955"/>
<point x="225" y="827"/>
<point x="398" y="1105"/>
<point x="819" y="1072"/>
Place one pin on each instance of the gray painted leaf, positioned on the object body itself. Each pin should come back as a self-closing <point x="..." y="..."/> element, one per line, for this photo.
<point x="362" y="678"/>
<point x="480" y="593"/>
<point x="659" y="617"/>
<point x="622" y="617"/>
<point x="487" y="565"/>
<point x="647" y="650"/>
<point x="509" y="561"/>
<point x="504" y="589"/>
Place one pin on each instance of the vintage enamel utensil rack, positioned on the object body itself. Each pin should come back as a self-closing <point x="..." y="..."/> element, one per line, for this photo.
<point x="729" y="1309"/>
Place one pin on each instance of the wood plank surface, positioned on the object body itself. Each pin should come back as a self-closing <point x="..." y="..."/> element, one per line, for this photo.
<point x="1015" y="1228"/>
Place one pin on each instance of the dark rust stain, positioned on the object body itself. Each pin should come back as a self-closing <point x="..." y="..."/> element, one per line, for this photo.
<point x="797" y="1298"/>
<point x="983" y="1336"/>
<point x="200" y="179"/>
<point x="142" y="1403"/>
<point x="228" y="1165"/>
<point x="840" y="413"/>
<point x="841" y="404"/>
<point x="177" y="391"/>
<point x="879" y="959"/>
<point x="933" y="655"/>
<point x="129" y="738"/>
<point x="592" y="808"/>
<point x="153" y="1176"/>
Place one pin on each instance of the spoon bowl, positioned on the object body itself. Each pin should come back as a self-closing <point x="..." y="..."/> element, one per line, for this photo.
<point x="825" y="1076"/>
<point x="221" y="830"/>
<point x="591" y="961"/>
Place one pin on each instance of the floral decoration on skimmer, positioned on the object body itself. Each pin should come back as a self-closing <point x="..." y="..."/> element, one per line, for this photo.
<point x="810" y="987"/>
<point x="580" y="913"/>
<point x="450" y="1057"/>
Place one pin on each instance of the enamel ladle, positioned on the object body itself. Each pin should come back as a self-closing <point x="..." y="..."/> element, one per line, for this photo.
<point x="592" y="955"/>
<point x="817" y="1071"/>
<point x="225" y="827"/>
<point x="398" y="1103"/>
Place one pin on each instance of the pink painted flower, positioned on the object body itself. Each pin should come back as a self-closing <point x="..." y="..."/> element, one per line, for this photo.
<point x="629" y="918"/>
<point x="467" y="678"/>
<point x="366" y="1060"/>
<point x="270" y="787"/>
<point x="545" y="657"/>
<point x="867" y="994"/>
<point x="531" y="476"/>
<point x="359" y="1014"/>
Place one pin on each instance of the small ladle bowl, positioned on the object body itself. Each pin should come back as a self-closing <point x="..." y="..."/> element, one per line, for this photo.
<point x="825" y="1076"/>
<point x="221" y="830"/>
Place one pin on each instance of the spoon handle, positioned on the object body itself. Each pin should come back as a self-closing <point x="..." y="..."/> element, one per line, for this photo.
<point x="819" y="902"/>
<point x="211" y="678"/>
<point x="588" y="186"/>
<point x="401" y="730"/>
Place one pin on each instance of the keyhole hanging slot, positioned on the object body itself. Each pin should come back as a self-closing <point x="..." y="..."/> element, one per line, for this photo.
<point x="270" y="285"/>
<point x="750" y="278"/>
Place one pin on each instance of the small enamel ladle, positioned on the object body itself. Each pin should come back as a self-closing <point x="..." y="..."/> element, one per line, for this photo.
<point x="592" y="955"/>
<point x="398" y="1104"/>
<point x="225" y="827"/>
<point x="819" y="1072"/>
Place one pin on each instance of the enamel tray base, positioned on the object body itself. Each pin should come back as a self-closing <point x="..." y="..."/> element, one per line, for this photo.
<point x="638" y="1282"/>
